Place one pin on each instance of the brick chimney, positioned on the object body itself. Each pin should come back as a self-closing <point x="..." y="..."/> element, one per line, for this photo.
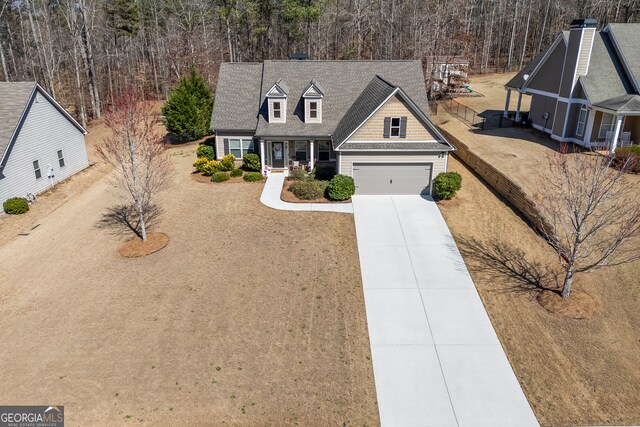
<point x="578" y="54"/>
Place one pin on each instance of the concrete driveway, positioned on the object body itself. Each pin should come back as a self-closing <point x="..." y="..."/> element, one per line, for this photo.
<point x="437" y="360"/>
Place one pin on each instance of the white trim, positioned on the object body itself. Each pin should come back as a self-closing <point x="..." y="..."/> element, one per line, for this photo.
<point x="586" y="71"/>
<point x="575" y="68"/>
<point x="276" y="92"/>
<point x="613" y="121"/>
<point x="391" y="126"/>
<point x="397" y="150"/>
<point x="263" y="165"/>
<point x="556" y="96"/>
<point x="374" y="141"/>
<point x="584" y="120"/>
<point x="318" y="93"/>
<point x="590" y="120"/>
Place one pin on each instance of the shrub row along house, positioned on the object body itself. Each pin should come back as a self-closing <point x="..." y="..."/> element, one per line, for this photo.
<point x="40" y="143"/>
<point x="366" y="118"/>
<point x="585" y="86"/>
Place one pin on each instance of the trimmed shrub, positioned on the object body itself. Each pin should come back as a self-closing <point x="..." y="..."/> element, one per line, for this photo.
<point x="237" y="172"/>
<point x="298" y="175"/>
<point x="253" y="177"/>
<point x="200" y="163"/>
<point x="228" y="162"/>
<point x="206" y="151"/>
<point x="308" y="189"/>
<point x="446" y="185"/>
<point x="211" y="167"/>
<point x="251" y="161"/>
<point x="220" y="177"/>
<point x="324" y="173"/>
<point x="15" y="206"/>
<point x="341" y="187"/>
<point x="629" y="156"/>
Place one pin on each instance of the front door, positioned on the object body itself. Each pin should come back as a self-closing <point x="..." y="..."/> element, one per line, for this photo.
<point x="278" y="154"/>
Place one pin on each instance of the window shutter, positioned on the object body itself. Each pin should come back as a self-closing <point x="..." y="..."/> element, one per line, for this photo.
<point x="387" y="127"/>
<point x="226" y="146"/>
<point x="403" y="127"/>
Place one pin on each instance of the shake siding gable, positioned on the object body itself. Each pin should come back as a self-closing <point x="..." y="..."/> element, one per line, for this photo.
<point x="373" y="129"/>
<point x="44" y="132"/>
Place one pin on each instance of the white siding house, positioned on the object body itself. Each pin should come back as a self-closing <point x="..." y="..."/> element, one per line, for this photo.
<point x="37" y="136"/>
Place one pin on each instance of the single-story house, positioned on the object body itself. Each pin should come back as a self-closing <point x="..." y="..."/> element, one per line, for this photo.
<point x="365" y="118"/>
<point x="40" y="142"/>
<point x="585" y="86"/>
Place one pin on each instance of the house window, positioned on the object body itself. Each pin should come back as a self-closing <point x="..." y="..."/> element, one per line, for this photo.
<point x="313" y="110"/>
<point x="395" y="127"/>
<point x="324" y="150"/>
<point x="36" y="169"/>
<point x="277" y="112"/>
<point x="607" y="124"/>
<point x="582" y="118"/>
<point x="60" y="158"/>
<point x="239" y="147"/>
<point x="301" y="150"/>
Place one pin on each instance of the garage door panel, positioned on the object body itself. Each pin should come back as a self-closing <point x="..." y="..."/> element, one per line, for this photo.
<point x="392" y="178"/>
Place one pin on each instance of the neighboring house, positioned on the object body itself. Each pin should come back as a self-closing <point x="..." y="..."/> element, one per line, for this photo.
<point x="40" y="143"/>
<point x="448" y="71"/>
<point x="365" y="118"/>
<point x="585" y="86"/>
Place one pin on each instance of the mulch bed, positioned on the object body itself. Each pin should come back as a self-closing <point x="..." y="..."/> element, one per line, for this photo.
<point x="288" y="196"/>
<point x="198" y="177"/>
<point x="579" y="305"/>
<point x="136" y="247"/>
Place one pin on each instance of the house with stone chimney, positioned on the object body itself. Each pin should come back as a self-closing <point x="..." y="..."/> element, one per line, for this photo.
<point x="585" y="86"/>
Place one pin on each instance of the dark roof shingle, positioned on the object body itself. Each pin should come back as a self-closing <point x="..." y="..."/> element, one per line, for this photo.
<point x="14" y="97"/>
<point x="237" y="97"/>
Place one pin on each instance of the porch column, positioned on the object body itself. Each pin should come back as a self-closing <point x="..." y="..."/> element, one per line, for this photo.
<point x="506" y="104"/>
<point x="616" y="133"/>
<point x="311" y="157"/>
<point x="263" y="166"/>
<point x="518" y="108"/>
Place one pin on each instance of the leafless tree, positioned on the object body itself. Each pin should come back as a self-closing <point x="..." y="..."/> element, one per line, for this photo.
<point x="592" y="217"/>
<point x="136" y="151"/>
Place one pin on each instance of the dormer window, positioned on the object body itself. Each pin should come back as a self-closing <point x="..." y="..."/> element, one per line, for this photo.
<point x="313" y="104"/>
<point x="277" y="103"/>
<point x="276" y="110"/>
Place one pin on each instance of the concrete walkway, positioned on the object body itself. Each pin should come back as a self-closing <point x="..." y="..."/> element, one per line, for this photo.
<point x="436" y="358"/>
<point x="271" y="197"/>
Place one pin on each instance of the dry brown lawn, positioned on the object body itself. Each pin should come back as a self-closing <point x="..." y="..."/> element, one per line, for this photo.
<point x="249" y="316"/>
<point x="574" y="372"/>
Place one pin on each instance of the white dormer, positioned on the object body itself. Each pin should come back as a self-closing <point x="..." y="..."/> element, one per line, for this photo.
<point x="313" y="104"/>
<point x="277" y="103"/>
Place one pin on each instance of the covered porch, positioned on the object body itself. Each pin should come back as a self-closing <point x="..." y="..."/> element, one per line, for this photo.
<point x="282" y="155"/>
<point x="613" y="123"/>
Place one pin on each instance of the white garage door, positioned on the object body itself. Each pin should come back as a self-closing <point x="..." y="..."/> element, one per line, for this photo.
<point x="392" y="178"/>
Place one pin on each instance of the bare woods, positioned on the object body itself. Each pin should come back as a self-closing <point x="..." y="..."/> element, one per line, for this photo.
<point x="86" y="51"/>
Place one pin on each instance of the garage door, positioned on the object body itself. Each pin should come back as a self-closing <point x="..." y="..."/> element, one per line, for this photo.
<point x="392" y="178"/>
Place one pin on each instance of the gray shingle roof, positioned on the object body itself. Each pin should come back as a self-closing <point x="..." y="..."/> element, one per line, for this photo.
<point x="367" y="102"/>
<point x="13" y="100"/>
<point x="627" y="37"/>
<point x="237" y="97"/>
<point x="396" y="145"/>
<point x="622" y="103"/>
<point x="352" y="91"/>
<point x="606" y="77"/>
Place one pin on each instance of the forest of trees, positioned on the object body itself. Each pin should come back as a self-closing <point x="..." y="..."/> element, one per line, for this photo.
<point x="85" y="52"/>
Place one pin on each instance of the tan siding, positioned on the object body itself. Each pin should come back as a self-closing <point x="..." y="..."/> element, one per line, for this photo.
<point x="548" y="77"/>
<point x="347" y="160"/>
<point x="585" y="52"/>
<point x="45" y="131"/>
<point x="373" y="129"/>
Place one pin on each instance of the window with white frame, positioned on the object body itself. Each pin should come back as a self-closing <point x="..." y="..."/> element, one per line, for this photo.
<point x="607" y="124"/>
<point x="60" y="158"/>
<point x="301" y="150"/>
<point x="36" y="169"/>
<point x="313" y="109"/>
<point x="395" y="127"/>
<point x="277" y="110"/>
<point x="324" y="150"/>
<point x="240" y="146"/>
<point x="582" y="120"/>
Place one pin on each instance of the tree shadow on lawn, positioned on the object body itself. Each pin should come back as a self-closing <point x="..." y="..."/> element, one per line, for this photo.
<point x="124" y="219"/>
<point x="499" y="260"/>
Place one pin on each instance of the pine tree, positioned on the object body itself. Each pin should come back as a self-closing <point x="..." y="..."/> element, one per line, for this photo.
<point x="188" y="111"/>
